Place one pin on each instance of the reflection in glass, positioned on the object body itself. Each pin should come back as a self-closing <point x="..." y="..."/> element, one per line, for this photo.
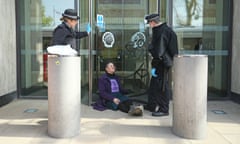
<point x="187" y="13"/>
<point x="37" y="20"/>
<point x="202" y="27"/>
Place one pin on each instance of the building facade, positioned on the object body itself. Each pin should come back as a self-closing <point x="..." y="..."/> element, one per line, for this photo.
<point x="119" y="34"/>
<point x="8" y="55"/>
<point x="235" y="83"/>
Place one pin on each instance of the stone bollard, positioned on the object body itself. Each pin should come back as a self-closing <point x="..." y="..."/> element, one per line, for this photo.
<point x="63" y="96"/>
<point x="190" y="96"/>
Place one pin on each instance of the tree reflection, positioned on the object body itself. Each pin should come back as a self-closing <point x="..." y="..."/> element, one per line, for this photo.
<point x="192" y="11"/>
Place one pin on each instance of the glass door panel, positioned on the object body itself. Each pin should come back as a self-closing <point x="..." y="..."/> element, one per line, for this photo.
<point x="216" y="34"/>
<point x="202" y="27"/>
<point x="36" y="21"/>
<point x="121" y="37"/>
<point x="31" y="48"/>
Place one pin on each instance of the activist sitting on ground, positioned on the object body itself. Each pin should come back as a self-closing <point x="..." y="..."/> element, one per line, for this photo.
<point x="111" y="93"/>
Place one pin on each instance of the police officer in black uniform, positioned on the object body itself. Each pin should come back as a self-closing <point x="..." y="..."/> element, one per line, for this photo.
<point x="162" y="40"/>
<point x="64" y="33"/>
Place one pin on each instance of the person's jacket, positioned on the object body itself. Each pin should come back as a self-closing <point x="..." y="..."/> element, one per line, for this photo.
<point x="105" y="91"/>
<point x="160" y="39"/>
<point x="104" y="87"/>
<point x="64" y="35"/>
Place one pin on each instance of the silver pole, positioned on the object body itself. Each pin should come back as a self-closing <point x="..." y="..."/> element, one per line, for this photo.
<point x="90" y="61"/>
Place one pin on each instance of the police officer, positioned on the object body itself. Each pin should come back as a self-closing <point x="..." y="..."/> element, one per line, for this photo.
<point x="162" y="41"/>
<point x="64" y="33"/>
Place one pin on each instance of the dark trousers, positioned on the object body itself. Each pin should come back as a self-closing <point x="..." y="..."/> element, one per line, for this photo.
<point x="159" y="92"/>
<point x="123" y="106"/>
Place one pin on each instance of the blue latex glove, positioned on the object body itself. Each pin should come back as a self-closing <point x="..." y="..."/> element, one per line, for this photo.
<point x="88" y="28"/>
<point x="153" y="72"/>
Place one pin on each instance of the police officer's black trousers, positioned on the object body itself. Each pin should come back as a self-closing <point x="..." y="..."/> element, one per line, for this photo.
<point x="159" y="93"/>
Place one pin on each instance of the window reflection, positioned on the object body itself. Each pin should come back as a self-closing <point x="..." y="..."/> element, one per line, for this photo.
<point x="188" y="13"/>
<point x="52" y="11"/>
<point x="37" y="19"/>
<point x="205" y="22"/>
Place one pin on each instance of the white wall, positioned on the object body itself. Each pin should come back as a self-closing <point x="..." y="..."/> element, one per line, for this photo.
<point x="7" y="47"/>
<point x="236" y="49"/>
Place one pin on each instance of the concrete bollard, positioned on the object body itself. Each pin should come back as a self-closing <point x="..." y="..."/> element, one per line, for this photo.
<point x="63" y="96"/>
<point x="190" y="96"/>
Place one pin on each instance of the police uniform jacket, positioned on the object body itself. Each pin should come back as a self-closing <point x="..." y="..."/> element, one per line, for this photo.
<point x="64" y="35"/>
<point x="160" y="41"/>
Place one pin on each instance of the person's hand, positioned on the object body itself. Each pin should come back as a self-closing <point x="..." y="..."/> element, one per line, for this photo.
<point x="153" y="72"/>
<point x="88" y="28"/>
<point x="116" y="101"/>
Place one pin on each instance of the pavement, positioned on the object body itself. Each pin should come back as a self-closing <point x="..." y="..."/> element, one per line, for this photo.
<point x="24" y="121"/>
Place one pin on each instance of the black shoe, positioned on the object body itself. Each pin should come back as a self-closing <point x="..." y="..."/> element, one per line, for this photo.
<point x="157" y="108"/>
<point x="159" y="113"/>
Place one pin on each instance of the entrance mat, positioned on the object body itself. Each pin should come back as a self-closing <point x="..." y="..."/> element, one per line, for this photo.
<point x="219" y="112"/>
<point x="30" y="110"/>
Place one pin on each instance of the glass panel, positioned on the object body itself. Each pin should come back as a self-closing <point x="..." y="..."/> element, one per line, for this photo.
<point x="216" y="44"/>
<point x="124" y="21"/>
<point x="37" y="19"/>
<point x="202" y="27"/>
<point x="188" y="23"/>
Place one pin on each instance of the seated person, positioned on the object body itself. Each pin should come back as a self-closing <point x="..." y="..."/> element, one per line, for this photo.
<point x="111" y="92"/>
